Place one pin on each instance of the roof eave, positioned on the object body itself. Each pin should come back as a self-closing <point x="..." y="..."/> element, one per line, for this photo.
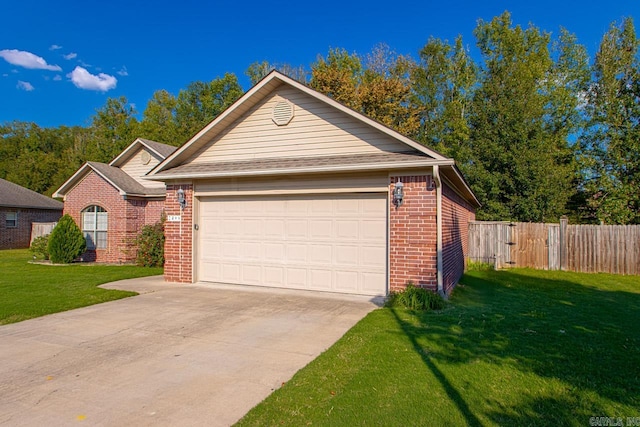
<point x="285" y="171"/>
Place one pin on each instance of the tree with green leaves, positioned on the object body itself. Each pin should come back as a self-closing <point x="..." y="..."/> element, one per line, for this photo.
<point x="611" y="145"/>
<point x="201" y="102"/>
<point x="522" y="165"/>
<point x="443" y="84"/>
<point x="159" y="119"/>
<point x="113" y="127"/>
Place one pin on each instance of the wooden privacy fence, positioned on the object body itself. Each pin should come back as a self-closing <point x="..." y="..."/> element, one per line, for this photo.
<point x="41" y="229"/>
<point x="583" y="248"/>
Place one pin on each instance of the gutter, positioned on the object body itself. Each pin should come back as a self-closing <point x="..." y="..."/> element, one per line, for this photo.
<point x="436" y="178"/>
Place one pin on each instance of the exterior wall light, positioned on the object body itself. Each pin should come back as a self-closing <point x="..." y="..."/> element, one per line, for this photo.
<point x="182" y="201"/>
<point x="398" y="194"/>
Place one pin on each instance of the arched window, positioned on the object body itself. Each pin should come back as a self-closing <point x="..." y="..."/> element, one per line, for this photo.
<point x="94" y="227"/>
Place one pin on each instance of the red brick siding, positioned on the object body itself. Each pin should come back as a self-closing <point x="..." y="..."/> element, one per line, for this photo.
<point x="20" y="236"/>
<point x="178" y="265"/>
<point x="412" y="234"/>
<point x="126" y="217"/>
<point x="456" y="214"/>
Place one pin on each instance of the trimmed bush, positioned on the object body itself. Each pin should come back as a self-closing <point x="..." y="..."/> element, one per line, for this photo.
<point x="150" y="244"/>
<point x="66" y="241"/>
<point x="39" y="246"/>
<point x="415" y="298"/>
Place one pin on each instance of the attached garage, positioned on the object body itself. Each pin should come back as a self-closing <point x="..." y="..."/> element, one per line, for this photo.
<point x="290" y="189"/>
<point x="324" y="242"/>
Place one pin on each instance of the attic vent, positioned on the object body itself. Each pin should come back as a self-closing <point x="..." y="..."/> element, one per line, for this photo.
<point x="145" y="157"/>
<point x="282" y="113"/>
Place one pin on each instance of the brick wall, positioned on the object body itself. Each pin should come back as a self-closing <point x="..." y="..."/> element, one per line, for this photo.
<point x="456" y="214"/>
<point x="126" y="217"/>
<point x="179" y="243"/>
<point x="412" y="234"/>
<point x="20" y="236"/>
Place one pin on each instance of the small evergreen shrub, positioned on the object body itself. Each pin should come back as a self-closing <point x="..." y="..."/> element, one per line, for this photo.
<point x="39" y="246"/>
<point x="150" y="244"/>
<point x="415" y="298"/>
<point x="66" y="241"/>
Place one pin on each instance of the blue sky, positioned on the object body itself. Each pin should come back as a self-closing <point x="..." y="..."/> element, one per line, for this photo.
<point x="60" y="61"/>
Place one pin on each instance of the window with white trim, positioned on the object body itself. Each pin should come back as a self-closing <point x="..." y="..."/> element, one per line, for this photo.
<point x="94" y="227"/>
<point x="11" y="220"/>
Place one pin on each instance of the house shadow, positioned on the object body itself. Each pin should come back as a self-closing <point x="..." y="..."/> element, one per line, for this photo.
<point x="581" y="337"/>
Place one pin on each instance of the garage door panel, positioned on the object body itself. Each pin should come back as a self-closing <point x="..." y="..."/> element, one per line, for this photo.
<point x="274" y="228"/>
<point x="347" y="229"/>
<point x="321" y="254"/>
<point x="297" y="253"/>
<point x="346" y="281"/>
<point x="324" y="242"/>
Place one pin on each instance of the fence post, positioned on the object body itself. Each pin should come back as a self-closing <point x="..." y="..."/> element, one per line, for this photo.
<point x="563" y="242"/>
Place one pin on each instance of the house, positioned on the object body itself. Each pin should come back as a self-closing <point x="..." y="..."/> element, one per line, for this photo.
<point x="19" y="209"/>
<point x="289" y="188"/>
<point x="111" y="202"/>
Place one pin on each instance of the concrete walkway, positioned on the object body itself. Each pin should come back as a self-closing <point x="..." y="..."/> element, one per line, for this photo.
<point x="184" y="355"/>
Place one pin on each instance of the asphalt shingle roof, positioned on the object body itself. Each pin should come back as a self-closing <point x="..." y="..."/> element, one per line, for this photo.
<point x="15" y="196"/>
<point x="124" y="181"/>
<point x="291" y="164"/>
<point x="163" y="149"/>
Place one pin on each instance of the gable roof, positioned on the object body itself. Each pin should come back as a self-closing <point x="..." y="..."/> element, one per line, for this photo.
<point x="416" y="156"/>
<point x="124" y="183"/>
<point x="161" y="150"/>
<point x="14" y="196"/>
<point x="258" y="93"/>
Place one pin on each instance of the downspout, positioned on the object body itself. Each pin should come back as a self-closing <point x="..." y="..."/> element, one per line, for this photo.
<point x="436" y="179"/>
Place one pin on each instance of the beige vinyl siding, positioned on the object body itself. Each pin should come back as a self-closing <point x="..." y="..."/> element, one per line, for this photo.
<point x="294" y="184"/>
<point x="135" y="168"/>
<point x="317" y="129"/>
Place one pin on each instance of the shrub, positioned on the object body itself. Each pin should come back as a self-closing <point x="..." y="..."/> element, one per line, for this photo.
<point x="150" y="244"/>
<point x="39" y="246"/>
<point x="66" y="241"/>
<point x="415" y="298"/>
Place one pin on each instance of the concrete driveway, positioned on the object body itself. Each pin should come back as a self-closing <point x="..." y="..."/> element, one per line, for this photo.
<point x="175" y="355"/>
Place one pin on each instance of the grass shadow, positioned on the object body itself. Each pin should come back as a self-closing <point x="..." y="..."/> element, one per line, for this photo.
<point x="580" y="338"/>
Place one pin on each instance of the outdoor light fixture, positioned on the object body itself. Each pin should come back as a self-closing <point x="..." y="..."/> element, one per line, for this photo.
<point x="181" y="199"/>
<point x="398" y="194"/>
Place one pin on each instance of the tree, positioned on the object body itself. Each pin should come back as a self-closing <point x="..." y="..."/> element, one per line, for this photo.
<point x="159" y="119"/>
<point x="378" y="87"/>
<point x="201" y="102"/>
<point x="66" y="241"/>
<point x="611" y="145"/>
<point x="258" y="70"/>
<point x="443" y="85"/>
<point x="521" y="166"/>
<point x="113" y="127"/>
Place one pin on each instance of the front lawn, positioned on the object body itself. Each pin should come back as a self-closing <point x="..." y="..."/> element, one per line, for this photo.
<point x="32" y="290"/>
<point x="517" y="347"/>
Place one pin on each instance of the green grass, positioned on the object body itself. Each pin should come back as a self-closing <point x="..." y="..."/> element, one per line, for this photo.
<point x="517" y="347"/>
<point x="32" y="290"/>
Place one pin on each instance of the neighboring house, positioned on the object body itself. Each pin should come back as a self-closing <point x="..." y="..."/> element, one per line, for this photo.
<point x="19" y="209"/>
<point x="112" y="202"/>
<point x="289" y="188"/>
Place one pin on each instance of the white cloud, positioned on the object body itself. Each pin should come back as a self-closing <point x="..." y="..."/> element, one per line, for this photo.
<point x="70" y="56"/>
<point x="54" y="47"/>
<point x="25" y="86"/>
<point x="123" y="71"/>
<point x="26" y="60"/>
<point x="85" y="80"/>
<point x="57" y="78"/>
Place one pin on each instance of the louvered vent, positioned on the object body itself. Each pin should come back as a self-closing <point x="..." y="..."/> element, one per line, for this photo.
<point x="282" y="113"/>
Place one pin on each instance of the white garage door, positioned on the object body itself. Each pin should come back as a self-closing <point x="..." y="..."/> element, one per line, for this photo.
<point x="334" y="243"/>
